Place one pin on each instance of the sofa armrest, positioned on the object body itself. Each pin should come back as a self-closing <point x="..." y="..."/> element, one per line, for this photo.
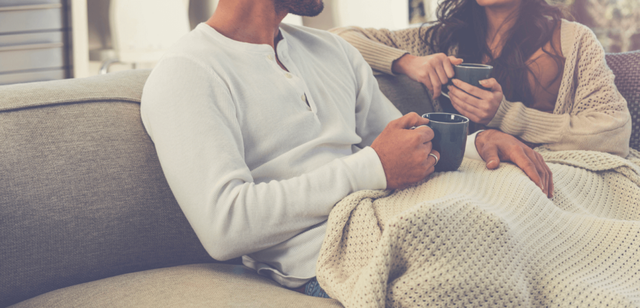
<point x="82" y="194"/>
<point x="626" y="68"/>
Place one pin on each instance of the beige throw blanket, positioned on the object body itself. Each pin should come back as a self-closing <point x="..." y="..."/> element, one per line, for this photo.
<point x="477" y="237"/>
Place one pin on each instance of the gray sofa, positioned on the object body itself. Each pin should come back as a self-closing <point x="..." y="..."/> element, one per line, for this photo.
<point x="88" y="220"/>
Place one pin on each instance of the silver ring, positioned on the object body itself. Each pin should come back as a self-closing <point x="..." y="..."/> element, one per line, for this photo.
<point x="434" y="156"/>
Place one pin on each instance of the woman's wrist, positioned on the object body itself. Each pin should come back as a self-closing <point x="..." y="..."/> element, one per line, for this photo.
<point x="399" y="65"/>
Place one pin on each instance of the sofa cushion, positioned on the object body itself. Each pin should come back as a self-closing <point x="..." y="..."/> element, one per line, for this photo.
<point x="87" y="198"/>
<point x="626" y="68"/>
<point x="82" y="194"/>
<point x="198" y="285"/>
<point x="407" y="95"/>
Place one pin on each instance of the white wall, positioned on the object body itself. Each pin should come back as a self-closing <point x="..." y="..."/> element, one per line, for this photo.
<point x="391" y="14"/>
<point x="98" y="17"/>
<point x="100" y="34"/>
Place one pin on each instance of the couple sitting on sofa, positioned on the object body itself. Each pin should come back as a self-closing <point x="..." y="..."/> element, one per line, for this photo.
<point x="257" y="168"/>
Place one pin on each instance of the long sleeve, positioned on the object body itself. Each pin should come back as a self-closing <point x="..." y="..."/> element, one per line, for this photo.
<point x="381" y="47"/>
<point x="590" y="113"/>
<point x="201" y="148"/>
<point x="372" y="107"/>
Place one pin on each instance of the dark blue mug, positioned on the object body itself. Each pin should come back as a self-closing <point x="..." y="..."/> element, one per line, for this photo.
<point x="450" y="138"/>
<point x="470" y="73"/>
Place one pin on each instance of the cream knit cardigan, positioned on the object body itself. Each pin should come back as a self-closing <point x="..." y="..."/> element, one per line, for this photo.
<point x="590" y="113"/>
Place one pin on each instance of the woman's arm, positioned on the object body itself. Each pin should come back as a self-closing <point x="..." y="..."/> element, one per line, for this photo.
<point x="590" y="114"/>
<point x="402" y="52"/>
<point x="381" y="47"/>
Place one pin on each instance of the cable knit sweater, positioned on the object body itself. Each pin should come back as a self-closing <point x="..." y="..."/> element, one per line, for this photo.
<point x="590" y="113"/>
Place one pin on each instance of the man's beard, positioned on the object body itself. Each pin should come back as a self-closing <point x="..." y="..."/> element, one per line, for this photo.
<point x="302" y="7"/>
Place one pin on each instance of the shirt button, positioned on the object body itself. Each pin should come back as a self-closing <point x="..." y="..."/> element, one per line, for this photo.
<point x="289" y="75"/>
<point x="270" y="57"/>
<point x="304" y="98"/>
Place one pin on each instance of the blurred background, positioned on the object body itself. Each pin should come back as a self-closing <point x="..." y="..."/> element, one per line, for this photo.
<point x="55" y="39"/>
<point x="616" y="23"/>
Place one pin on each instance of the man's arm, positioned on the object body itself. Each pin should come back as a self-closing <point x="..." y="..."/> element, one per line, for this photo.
<point x="192" y="121"/>
<point x="403" y="150"/>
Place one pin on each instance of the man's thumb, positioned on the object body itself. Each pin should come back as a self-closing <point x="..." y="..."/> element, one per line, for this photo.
<point x="490" y="156"/>
<point x="493" y="163"/>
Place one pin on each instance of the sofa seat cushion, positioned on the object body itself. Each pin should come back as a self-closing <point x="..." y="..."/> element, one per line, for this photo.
<point x="195" y="285"/>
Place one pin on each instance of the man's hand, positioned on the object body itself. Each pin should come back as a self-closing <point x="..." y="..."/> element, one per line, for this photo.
<point x="404" y="151"/>
<point x="495" y="146"/>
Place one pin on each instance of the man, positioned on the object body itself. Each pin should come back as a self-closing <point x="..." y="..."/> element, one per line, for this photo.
<point x="261" y="128"/>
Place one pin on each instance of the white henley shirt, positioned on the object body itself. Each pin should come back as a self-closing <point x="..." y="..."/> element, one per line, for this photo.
<point x="257" y="156"/>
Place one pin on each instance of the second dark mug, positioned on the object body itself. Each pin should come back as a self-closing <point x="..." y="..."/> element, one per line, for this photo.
<point x="470" y="73"/>
<point x="450" y="138"/>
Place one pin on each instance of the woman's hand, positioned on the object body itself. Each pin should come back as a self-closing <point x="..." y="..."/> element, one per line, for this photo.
<point x="433" y="70"/>
<point x="479" y="105"/>
<point x="495" y="146"/>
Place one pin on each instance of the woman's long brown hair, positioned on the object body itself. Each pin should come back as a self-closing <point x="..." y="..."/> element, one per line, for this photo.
<point x="463" y="23"/>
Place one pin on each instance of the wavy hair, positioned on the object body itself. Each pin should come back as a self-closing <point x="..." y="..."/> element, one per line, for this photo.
<point x="463" y="24"/>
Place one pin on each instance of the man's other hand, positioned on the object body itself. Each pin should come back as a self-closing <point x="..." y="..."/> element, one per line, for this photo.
<point x="495" y="146"/>
<point x="404" y="147"/>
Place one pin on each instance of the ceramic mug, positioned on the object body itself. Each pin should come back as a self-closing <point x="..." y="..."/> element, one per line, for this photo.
<point x="450" y="138"/>
<point x="470" y="73"/>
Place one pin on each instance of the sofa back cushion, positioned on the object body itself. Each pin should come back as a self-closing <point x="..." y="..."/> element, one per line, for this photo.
<point x="626" y="68"/>
<point x="407" y="95"/>
<point x="82" y="195"/>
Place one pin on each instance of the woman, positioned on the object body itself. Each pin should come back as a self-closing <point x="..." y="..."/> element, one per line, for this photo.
<point x="552" y="85"/>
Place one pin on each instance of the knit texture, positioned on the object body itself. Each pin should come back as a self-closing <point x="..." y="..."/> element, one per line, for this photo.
<point x="590" y="114"/>
<point x="478" y="237"/>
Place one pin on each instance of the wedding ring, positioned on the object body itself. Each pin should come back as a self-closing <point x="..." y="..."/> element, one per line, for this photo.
<point x="434" y="156"/>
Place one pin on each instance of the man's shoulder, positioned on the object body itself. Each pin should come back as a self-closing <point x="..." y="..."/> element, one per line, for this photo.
<point x="196" y="42"/>
<point x="321" y="41"/>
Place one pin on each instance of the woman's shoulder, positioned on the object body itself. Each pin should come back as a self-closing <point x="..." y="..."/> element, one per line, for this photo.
<point x="407" y="36"/>
<point x="574" y="27"/>
<point x="573" y="34"/>
<point x="410" y="39"/>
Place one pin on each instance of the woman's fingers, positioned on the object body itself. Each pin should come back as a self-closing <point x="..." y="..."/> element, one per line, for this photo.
<point x="548" y="174"/>
<point x="491" y="84"/>
<point x="471" y="90"/>
<point x="467" y="110"/>
<point x="435" y="83"/>
<point x="481" y="105"/>
<point x="441" y="72"/>
<point x="433" y="71"/>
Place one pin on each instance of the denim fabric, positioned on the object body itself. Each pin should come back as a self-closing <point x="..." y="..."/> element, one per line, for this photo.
<point x="313" y="288"/>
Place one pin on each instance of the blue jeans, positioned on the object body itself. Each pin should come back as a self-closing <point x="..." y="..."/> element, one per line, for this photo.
<point x="313" y="288"/>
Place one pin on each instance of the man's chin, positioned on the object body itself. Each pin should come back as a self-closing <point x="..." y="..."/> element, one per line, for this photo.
<point x="308" y="11"/>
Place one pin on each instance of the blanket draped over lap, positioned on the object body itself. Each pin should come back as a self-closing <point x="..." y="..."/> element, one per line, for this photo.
<point x="476" y="237"/>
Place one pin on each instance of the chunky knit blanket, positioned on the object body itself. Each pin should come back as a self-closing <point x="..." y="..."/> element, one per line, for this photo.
<point x="477" y="237"/>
